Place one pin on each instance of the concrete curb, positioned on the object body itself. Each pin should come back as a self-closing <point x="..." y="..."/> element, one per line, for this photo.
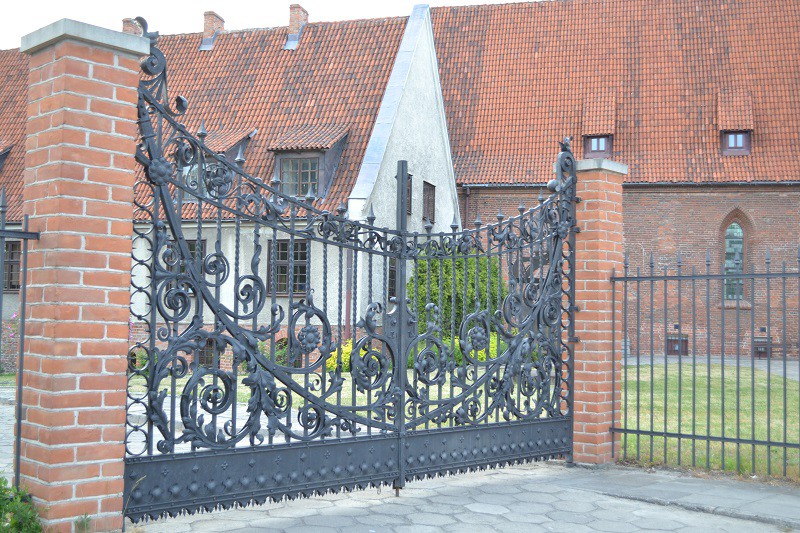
<point x="719" y="511"/>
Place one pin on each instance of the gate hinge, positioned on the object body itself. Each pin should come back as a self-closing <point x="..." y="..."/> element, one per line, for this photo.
<point x="576" y="308"/>
<point x="576" y="229"/>
<point x="578" y="199"/>
<point x="574" y="339"/>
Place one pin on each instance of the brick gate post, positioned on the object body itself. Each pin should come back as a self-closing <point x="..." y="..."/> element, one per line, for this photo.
<point x="599" y="248"/>
<point x="78" y="193"/>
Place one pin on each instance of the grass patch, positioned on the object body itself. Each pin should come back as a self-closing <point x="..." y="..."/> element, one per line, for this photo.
<point x="8" y="379"/>
<point x="698" y="400"/>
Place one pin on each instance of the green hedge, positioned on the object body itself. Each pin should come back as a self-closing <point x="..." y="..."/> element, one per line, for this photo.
<point x="428" y="272"/>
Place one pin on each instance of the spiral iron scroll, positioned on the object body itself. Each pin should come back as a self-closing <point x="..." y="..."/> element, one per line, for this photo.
<point x="528" y="377"/>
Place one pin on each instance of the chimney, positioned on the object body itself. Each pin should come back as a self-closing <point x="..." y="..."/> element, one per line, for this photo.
<point x="298" y="17"/>
<point x="130" y="26"/>
<point x="212" y="23"/>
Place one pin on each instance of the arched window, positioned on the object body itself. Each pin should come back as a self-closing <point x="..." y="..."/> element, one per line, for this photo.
<point x="734" y="261"/>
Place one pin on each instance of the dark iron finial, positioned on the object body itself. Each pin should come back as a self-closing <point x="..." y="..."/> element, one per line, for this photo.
<point x="371" y="215"/>
<point x="454" y="227"/>
<point x="202" y="133"/>
<point x="3" y="200"/>
<point x="500" y="216"/>
<point x="521" y="208"/>
<point x="428" y="227"/>
<point x="341" y="210"/>
<point x="478" y="223"/>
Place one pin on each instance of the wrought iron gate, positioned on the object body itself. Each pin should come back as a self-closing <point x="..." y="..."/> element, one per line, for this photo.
<point x="287" y="350"/>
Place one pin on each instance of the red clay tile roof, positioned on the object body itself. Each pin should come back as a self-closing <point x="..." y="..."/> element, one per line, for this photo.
<point x="13" y="109"/>
<point x="337" y="75"/>
<point x="599" y="114"/>
<point x="222" y="141"/>
<point x="515" y="79"/>
<point x="735" y="110"/>
<point x="310" y="137"/>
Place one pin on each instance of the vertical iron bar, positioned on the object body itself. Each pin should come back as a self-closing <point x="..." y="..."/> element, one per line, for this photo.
<point x="402" y="325"/>
<point x="708" y="359"/>
<point x="625" y="355"/>
<point x="680" y="360"/>
<point x="666" y="363"/>
<point x="638" y="363"/>
<point x="739" y="295"/>
<point x="768" y="261"/>
<point x="613" y="356"/>
<point x="21" y="352"/>
<point x="722" y="360"/>
<point x="652" y="353"/>
<point x="752" y="368"/>
<point x="783" y="347"/>
<point x="694" y="366"/>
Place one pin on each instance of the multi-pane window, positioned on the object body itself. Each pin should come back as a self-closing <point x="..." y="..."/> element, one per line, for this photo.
<point x="428" y="201"/>
<point x="205" y="356"/>
<point x="736" y="143"/>
<point x="597" y="146"/>
<point x="300" y="176"/>
<point x="734" y="261"/>
<point x="295" y="263"/>
<point x="11" y="271"/>
<point x="392" y="278"/>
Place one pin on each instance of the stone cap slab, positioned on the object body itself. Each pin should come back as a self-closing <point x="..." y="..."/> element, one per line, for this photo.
<point x="87" y="33"/>
<point x="587" y="165"/>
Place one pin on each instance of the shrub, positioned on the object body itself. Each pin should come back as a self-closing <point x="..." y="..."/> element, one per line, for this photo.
<point x="17" y="512"/>
<point x="429" y="271"/>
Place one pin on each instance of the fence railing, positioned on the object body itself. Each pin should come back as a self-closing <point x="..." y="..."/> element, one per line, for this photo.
<point x="709" y="373"/>
<point x="15" y="275"/>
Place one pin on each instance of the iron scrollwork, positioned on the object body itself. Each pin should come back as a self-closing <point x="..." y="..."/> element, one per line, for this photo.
<point x="249" y="343"/>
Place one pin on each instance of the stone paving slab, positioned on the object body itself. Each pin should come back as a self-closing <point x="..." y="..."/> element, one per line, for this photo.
<point x="535" y="497"/>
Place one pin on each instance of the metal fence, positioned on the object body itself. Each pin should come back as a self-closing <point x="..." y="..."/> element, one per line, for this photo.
<point x="709" y="373"/>
<point x="333" y="353"/>
<point x="14" y="242"/>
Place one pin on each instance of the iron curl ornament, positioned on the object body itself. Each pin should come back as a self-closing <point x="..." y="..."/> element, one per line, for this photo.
<point x="285" y="350"/>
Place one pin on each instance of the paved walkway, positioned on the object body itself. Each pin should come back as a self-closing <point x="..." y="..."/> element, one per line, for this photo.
<point x="532" y="497"/>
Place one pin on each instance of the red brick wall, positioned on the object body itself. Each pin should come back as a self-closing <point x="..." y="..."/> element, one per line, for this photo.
<point x="690" y="220"/>
<point x="667" y="221"/>
<point x="599" y="250"/>
<point x="78" y="192"/>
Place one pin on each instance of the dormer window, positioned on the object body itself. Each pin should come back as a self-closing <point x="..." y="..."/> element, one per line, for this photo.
<point x="597" y="146"/>
<point x="735" y="143"/>
<point x="300" y="176"/>
<point x="307" y="157"/>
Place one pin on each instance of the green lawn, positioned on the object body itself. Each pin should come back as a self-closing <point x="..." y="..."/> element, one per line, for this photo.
<point x="760" y="417"/>
<point x="8" y="379"/>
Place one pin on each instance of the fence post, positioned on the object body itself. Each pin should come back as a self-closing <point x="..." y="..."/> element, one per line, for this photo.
<point x="599" y="249"/>
<point x="78" y="193"/>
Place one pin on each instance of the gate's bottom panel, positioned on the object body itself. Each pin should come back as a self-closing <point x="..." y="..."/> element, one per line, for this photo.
<point x="188" y="482"/>
<point x="459" y="449"/>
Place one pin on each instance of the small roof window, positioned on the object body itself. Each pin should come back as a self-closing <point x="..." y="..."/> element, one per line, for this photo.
<point x="597" y="146"/>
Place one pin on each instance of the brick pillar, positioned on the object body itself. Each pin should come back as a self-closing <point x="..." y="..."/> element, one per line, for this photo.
<point x="599" y="248"/>
<point x="78" y="193"/>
